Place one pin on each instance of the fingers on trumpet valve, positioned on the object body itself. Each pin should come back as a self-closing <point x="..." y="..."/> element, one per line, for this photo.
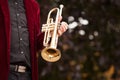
<point x="63" y="27"/>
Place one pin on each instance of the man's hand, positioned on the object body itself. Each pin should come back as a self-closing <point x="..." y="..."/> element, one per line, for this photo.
<point x="63" y="27"/>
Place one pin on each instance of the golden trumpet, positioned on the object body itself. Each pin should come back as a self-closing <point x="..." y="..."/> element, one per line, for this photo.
<point x="50" y="53"/>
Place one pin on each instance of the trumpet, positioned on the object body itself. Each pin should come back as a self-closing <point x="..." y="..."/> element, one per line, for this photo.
<point x="50" y="53"/>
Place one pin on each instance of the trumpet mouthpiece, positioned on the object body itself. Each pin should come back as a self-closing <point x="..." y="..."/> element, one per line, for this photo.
<point x="61" y="6"/>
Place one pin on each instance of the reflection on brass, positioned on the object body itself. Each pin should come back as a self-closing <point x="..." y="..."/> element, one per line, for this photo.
<point x="50" y="53"/>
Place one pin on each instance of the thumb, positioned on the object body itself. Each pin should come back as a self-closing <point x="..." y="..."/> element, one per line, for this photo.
<point x="59" y="19"/>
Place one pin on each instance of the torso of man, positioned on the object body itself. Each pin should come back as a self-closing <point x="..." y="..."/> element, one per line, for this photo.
<point x="20" y="53"/>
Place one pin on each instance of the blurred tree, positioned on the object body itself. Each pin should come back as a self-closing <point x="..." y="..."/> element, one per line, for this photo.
<point x="90" y="47"/>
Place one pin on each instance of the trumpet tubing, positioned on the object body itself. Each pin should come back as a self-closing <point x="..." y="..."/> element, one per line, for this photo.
<point x="50" y="53"/>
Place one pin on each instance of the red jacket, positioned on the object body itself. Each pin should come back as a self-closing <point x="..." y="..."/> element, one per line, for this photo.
<point x="36" y="37"/>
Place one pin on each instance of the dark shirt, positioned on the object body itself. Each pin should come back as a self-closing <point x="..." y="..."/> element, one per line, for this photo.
<point x="20" y="52"/>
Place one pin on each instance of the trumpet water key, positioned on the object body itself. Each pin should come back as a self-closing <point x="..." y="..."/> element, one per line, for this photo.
<point x="50" y="53"/>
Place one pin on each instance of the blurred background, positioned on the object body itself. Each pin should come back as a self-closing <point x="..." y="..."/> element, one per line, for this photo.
<point x="91" y="46"/>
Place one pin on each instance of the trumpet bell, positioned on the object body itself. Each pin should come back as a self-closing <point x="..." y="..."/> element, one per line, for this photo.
<point x="51" y="54"/>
